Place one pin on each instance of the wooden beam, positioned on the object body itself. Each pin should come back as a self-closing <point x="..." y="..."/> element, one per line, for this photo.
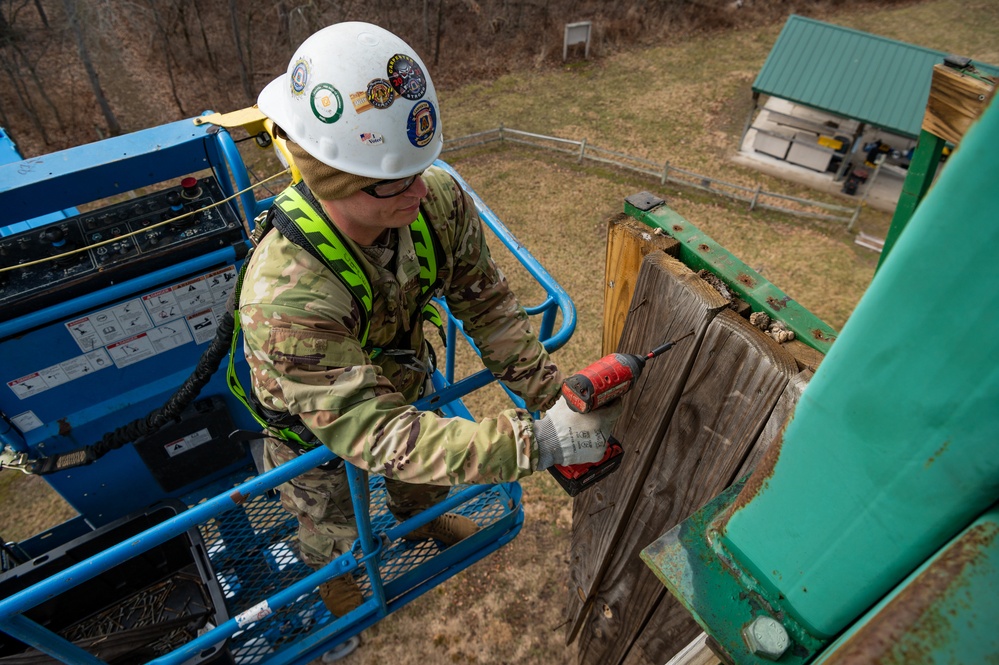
<point x="727" y="398"/>
<point x="956" y="100"/>
<point x="628" y="241"/>
<point x="669" y="301"/>
<point x="805" y="356"/>
<point x="696" y="653"/>
<point x="778" y="418"/>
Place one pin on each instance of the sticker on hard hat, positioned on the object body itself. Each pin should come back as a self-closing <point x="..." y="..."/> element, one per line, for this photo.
<point x="380" y="93"/>
<point x="406" y="77"/>
<point x="372" y="138"/>
<point x="327" y="104"/>
<point x="299" y="77"/>
<point x="360" y="102"/>
<point x="422" y="124"/>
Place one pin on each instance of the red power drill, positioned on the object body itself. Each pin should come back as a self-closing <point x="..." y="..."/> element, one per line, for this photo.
<point x="592" y="387"/>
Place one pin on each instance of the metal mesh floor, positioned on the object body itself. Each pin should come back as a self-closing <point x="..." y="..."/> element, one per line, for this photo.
<point x="253" y="553"/>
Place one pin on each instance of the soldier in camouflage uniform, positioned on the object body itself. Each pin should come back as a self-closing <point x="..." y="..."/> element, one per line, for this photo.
<point x="303" y="327"/>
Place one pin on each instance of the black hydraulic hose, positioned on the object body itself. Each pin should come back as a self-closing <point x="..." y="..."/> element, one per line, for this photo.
<point x="207" y="365"/>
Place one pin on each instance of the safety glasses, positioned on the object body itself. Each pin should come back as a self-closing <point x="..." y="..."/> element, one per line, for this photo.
<point x="386" y="189"/>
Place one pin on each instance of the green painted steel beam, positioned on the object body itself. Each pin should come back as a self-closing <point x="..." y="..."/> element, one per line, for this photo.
<point x="891" y="450"/>
<point x="700" y="252"/>
<point x="686" y="563"/>
<point x="922" y="169"/>
<point x="945" y="612"/>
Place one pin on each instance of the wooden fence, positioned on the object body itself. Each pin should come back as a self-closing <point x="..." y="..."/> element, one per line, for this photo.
<point x="698" y="418"/>
<point x="665" y="172"/>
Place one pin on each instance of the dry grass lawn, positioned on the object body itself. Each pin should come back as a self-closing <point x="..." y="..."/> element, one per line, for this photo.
<point x="683" y="102"/>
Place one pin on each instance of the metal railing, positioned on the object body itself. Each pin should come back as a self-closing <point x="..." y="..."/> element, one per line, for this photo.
<point x="665" y="172"/>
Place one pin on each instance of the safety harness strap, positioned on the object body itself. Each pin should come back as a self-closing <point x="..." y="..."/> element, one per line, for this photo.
<point x="294" y="214"/>
<point x="299" y="221"/>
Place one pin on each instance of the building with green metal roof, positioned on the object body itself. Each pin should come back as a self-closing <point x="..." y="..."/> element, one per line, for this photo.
<point x="832" y="91"/>
<point x="878" y="81"/>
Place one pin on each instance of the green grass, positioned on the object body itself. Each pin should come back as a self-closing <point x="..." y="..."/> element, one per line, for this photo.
<point x="685" y="102"/>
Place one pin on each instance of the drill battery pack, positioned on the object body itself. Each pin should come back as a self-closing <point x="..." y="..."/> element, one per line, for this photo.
<point x="576" y="478"/>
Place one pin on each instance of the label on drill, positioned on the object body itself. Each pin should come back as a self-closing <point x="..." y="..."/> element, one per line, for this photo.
<point x="610" y="395"/>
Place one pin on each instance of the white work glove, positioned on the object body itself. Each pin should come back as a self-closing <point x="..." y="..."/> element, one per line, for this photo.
<point x="566" y="437"/>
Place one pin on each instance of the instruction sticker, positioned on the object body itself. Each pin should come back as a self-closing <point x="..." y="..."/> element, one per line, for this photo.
<point x="109" y="325"/>
<point x="26" y="421"/>
<point x="138" y="329"/>
<point x="203" y="325"/>
<point x="188" y="442"/>
<point x="132" y="350"/>
<point x="56" y="375"/>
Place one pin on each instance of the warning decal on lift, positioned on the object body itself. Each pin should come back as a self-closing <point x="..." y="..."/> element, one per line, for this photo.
<point x="169" y="317"/>
<point x="56" y="375"/>
<point x="138" y="329"/>
<point x="188" y="442"/>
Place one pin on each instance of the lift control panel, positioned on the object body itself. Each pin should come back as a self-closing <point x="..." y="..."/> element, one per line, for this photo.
<point x="109" y="245"/>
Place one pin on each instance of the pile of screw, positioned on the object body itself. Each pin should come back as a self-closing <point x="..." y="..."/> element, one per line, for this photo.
<point x="774" y="329"/>
<point x="148" y="607"/>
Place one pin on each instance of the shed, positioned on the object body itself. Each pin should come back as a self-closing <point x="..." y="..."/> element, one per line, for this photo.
<point x="833" y="91"/>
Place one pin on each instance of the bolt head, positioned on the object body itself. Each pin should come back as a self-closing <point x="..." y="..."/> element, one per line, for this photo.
<point x="766" y="637"/>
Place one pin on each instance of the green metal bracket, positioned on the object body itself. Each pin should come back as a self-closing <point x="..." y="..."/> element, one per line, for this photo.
<point x="687" y="560"/>
<point x="922" y="168"/>
<point x="699" y="252"/>
<point x="890" y="453"/>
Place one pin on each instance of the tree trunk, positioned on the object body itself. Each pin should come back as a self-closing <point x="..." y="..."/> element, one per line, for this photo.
<point x="41" y="13"/>
<point x="440" y="30"/>
<point x="95" y="84"/>
<point x="158" y="20"/>
<point x="23" y="97"/>
<point x="204" y="39"/>
<point x="244" y="74"/>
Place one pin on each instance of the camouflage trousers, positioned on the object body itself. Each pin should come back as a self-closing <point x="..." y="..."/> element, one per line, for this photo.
<point x="320" y="499"/>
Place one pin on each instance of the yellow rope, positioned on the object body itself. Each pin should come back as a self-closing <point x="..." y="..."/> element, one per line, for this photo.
<point x="148" y="228"/>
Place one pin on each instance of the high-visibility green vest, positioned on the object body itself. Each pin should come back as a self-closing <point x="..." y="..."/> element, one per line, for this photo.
<point x="294" y="214"/>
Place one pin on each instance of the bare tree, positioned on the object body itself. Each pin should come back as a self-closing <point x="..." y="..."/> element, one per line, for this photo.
<point x="244" y="72"/>
<point x="95" y="83"/>
<point x="41" y="13"/>
<point x="23" y="98"/>
<point x="167" y="52"/>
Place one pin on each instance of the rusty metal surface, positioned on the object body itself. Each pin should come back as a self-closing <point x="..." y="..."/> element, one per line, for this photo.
<point x="947" y="613"/>
<point x="717" y="596"/>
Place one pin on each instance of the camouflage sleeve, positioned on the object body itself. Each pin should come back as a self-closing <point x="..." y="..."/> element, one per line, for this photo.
<point x="305" y="360"/>
<point x="480" y="296"/>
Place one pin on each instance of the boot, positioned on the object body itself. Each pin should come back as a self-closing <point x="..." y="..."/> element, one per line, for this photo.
<point x="341" y="594"/>
<point x="449" y="528"/>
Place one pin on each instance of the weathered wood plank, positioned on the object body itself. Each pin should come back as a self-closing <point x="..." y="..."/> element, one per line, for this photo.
<point x="956" y="101"/>
<point x="670" y="624"/>
<point x="673" y="626"/>
<point x="733" y="385"/>
<point x="778" y="419"/>
<point x="670" y="300"/>
<point x="628" y="241"/>
<point x="806" y="357"/>
<point x="696" y="653"/>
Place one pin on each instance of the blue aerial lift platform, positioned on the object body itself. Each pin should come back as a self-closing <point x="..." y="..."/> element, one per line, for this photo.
<point x="116" y="262"/>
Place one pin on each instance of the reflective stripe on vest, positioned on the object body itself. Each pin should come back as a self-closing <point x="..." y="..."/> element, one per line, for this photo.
<point x="344" y="264"/>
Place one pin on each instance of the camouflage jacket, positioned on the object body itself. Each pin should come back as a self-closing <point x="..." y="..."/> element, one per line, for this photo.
<point x="301" y="340"/>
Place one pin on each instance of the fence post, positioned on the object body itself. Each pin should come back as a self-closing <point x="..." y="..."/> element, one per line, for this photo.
<point x="582" y="151"/>
<point x="856" y="216"/>
<point x="662" y="181"/>
<point x="501" y="132"/>
<point x="756" y="197"/>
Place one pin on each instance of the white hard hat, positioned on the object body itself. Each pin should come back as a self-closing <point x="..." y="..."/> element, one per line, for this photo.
<point x="359" y="99"/>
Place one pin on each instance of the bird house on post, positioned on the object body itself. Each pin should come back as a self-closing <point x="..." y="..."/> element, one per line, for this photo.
<point x="577" y="33"/>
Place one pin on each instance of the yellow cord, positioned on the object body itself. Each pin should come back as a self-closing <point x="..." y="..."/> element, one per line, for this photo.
<point x="148" y="228"/>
